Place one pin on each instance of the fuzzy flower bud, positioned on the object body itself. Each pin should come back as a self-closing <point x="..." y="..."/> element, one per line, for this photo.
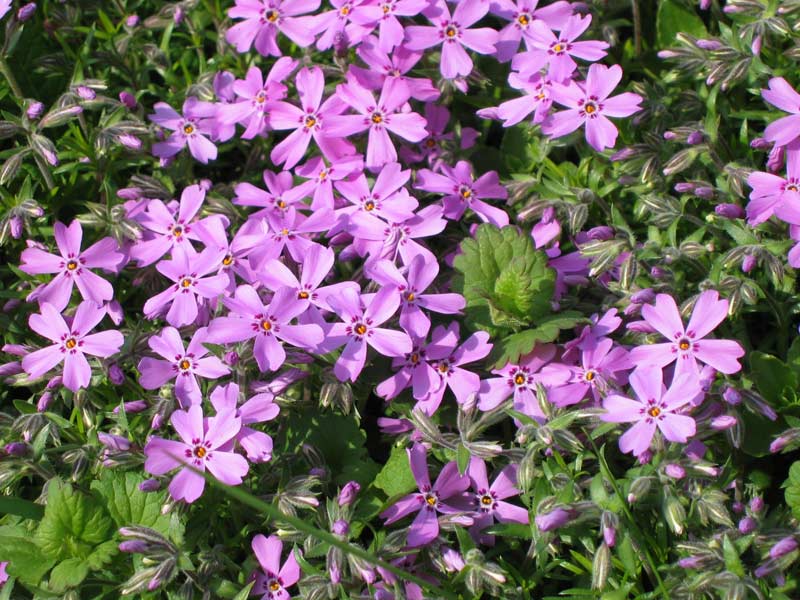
<point x="341" y="527"/>
<point x="349" y="493"/>
<point x="34" y="110"/>
<point x="747" y="525"/>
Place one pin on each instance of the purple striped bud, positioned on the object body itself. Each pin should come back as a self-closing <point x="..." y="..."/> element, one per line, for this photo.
<point x="44" y="401"/>
<point x="747" y="525"/>
<point x="683" y="187"/>
<point x="601" y="232"/>
<point x="26" y="12"/>
<point x="783" y="547"/>
<point x="11" y="306"/>
<point x="114" y="442"/>
<point x="675" y="471"/>
<point x="704" y="191"/>
<point x="643" y="296"/>
<point x="558" y="517"/>
<point x="115" y="374"/>
<point x="690" y="562"/>
<point x="349" y="493"/>
<point x="128" y="100"/>
<point x="755" y="46"/>
<point x="10" y="369"/>
<point x="723" y="422"/>
<point x="150" y="485"/>
<point x="708" y="44"/>
<point x="133" y="546"/>
<point x="729" y="211"/>
<point x="17" y="449"/>
<point x="669" y="135"/>
<point x="749" y="262"/>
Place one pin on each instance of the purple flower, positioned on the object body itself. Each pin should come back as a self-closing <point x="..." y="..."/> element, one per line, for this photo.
<point x="388" y="200"/>
<point x="600" y="363"/>
<point x="654" y="408"/>
<point x="5" y="6"/>
<point x="783" y="131"/>
<point x="590" y="105"/>
<point x="419" y="275"/>
<point x="255" y="98"/>
<point x="359" y="329"/>
<point x="341" y="26"/>
<point x="263" y="19"/>
<point x="447" y="357"/>
<point x="384" y="14"/>
<point x="414" y="371"/>
<point x="488" y="501"/>
<point x="72" y="267"/>
<point x="321" y="177"/>
<point x="189" y="128"/>
<point x="269" y="325"/>
<point x="556" y="52"/>
<point x="317" y="263"/>
<point x="308" y="122"/>
<point x="454" y="33"/>
<point x="233" y="253"/>
<point x="523" y="14"/>
<point x="189" y="274"/>
<point x="773" y="194"/>
<point x="273" y="579"/>
<point x="429" y="500"/>
<point x="395" y="64"/>
<point x="199" y="448"/>
<point x="281" y="194"/>
<point x="167" y="230"/>
<point x="688" y="345"/>
<point x="182" y="365"/>
<point x="258" y="409"/>
<point x="71" y="343"/>
<point x="379" y="119"/>
<point x="520" y="381"/>
<point x="537" y="100"/>
<point x="288" y="230"/>
<point x="462" y="191"/>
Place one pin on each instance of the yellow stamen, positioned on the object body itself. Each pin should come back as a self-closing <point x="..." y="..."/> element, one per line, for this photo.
<point x="654" y="412"/>
<point x="361" y="329"/>
<point x="71" y="343"/>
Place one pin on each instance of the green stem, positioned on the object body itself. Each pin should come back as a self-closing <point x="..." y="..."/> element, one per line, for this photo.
<point x="12" y="81"/>
<point x="609" y="477"/>
<point x="325" y="536"/>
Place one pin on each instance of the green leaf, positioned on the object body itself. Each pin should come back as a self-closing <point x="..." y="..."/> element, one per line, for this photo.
<point x="515" y="530"/>
<point x="731" y="555"/>
<point x="504" y="279"/>
<point x="67" y="574"/>
<point x="25" y="559"/>
<point x="245" y="593"/>
<point x="673" y="18"/>
<point x="792" y="486"/>
<point x="774" y="380"/>
<point x="462" y="458"/>
<point x="395" y="477"/>
<point x="516" y="345"/>
<point x="128" y="505"/>
<point x="74" y="524"/>
<point x="10" y="505"/>
<point x="340" y="440"/>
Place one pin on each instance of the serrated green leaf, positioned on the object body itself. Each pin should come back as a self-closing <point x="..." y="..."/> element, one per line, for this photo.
<point x="25" y="559"/>
<point x="396" y="477"/>
<point x="792" y="486"/>
<point x="731" y="555"/>
<point x="516" y="345"/>
<point x="73" y="524"/>
<point x="506" y="282"/>
<point x="68" y="573"/>
<point x="128" y="505"/>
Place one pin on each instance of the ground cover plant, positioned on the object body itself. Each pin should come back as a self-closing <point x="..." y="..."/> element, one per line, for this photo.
<point x="399" y="299"/>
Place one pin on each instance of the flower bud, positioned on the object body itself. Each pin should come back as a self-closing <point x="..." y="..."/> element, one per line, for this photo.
<point x="729" y="211"/>
<point x="115" y="374"/>
<point x="731" y="396"/>
<point x="783" y="547"/>
<point x="723" y="422"/>
<point x="748" y="263"/>
<point x="695" y="138"/>
<point x="132" y="21"/>
<point x="18" y="449"/>
<point x="674" y="513"/>
<point x="756" y="504"/>
<point x="134" y="546"/>
<point x="747" y="525"/>
<point x="128" y="100"/>
<point x="135" y="406"/>
<point x="85" y="92"/>
<point x="349" y="493"/>
<point x="44" y="401"/>
<point x="34" y="110"/>
<point x="150" y="485"/>
<point x="601" y="565"/>
<point x="26" y="12"/>
<point x="675" y="471"/>
<point x="643" y="296"/>
<point x="341" y="527"/>
<point x="231" y="358"/>
<point x="558" y="517"/>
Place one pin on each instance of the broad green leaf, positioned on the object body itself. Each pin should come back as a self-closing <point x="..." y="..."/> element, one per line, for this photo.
<point x="67" y="574"/>
<point x="22" y="508"/>
<point x="504" y="279"/>
<point x="26" y="560"/>
<point x="792" y="486"/>
<point x="515" y="530"/>
<point x="245" y="593"/>
<point x="128" y="505"/>
<point x="673" y="17"/>
<point x="772" y="377"/>
<point x="395" y="477"/>
<point x="340" y="440"/>
<point x="73" y="524"/>
<point x="731" y="555"/>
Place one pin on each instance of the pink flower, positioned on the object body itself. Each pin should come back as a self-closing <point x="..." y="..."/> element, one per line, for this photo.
<point x="590" y="105"/>
<point x="263" y="19"/>
<point x="281" y="194"/>
<point x="269" y="325"/>
<point x="454" y="33"/>
<point x="273" y="580"/>
<point x="190" y="128"/>
<point x="523" y="14"/>
<point x="379" y="119"/>
<point x="537" y="100"/>
<point x="258" y="409"/>
<point x="430" y="500"/>
<point x="384" y="14"/>
<point x="189" y="274"/>
<point x="687" y="345"/>
<point x="199" y="448"/>
<point x="654" y="408"/>
<point x="71" y="343"/>
<point x="488" y="501"/>
<point x="307" y="122"/>
<point x="776" y="195"/>
<point x="360" y="328"/>
<point x="73" y="267"/>
<point x="462" y="191"/>
<point x="783" y="131"/>
<point x="182" y="365"/>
